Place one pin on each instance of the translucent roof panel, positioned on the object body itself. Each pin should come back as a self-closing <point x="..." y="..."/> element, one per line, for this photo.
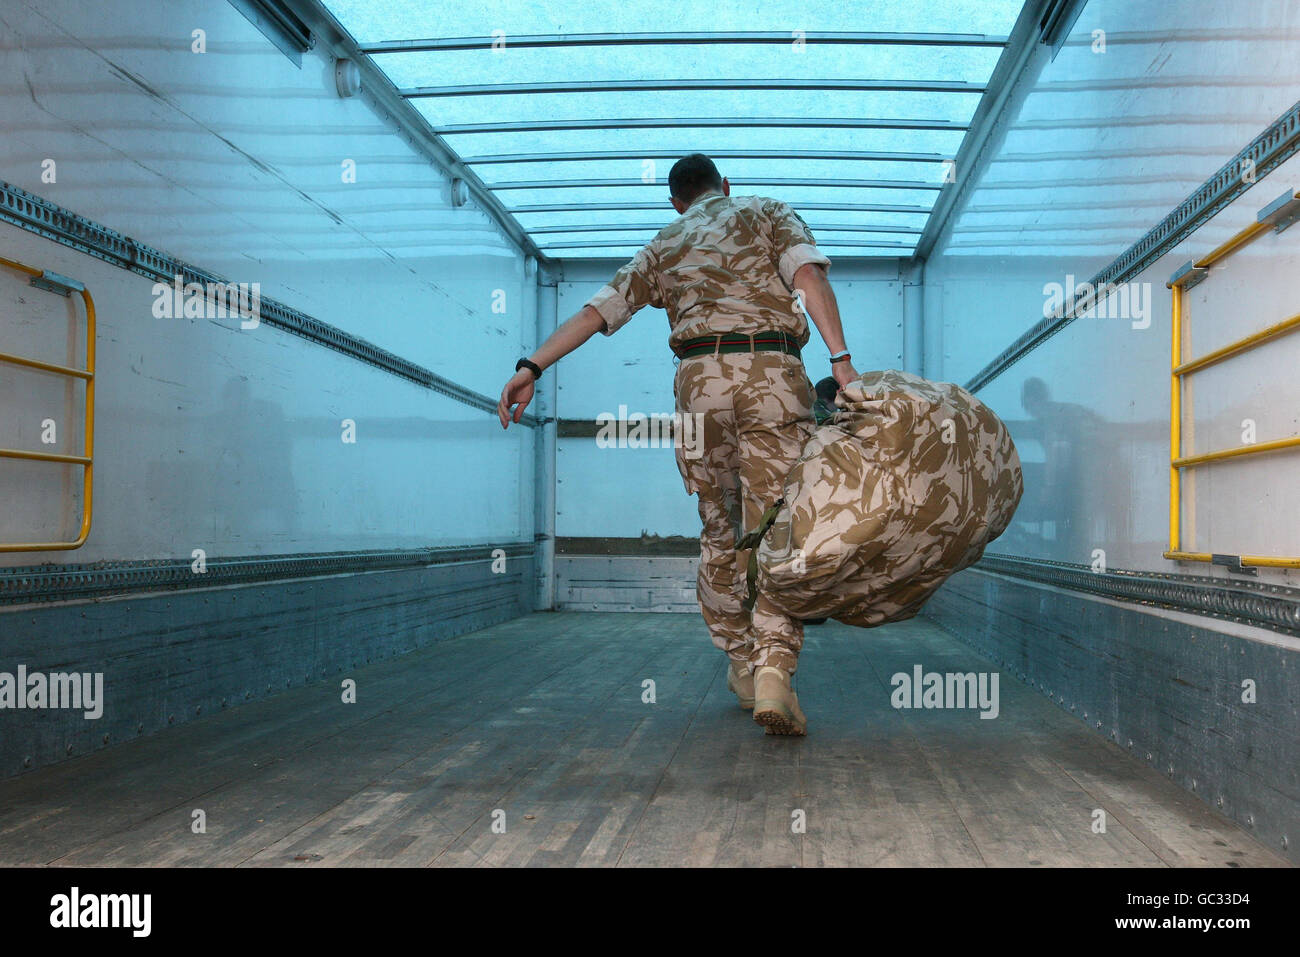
<point x="639" y="236"/>
<point x="954" y="109"/>
<point x="573" y="114"/>
<point x="740" y="171"/>
<point x="656" y="196"/>
<point x="954" y="63"/>
<point x="631" y="250"/>
<point x="682" y="138"/>
<point x="660" y="216"/>
<point x="368" y="21"/>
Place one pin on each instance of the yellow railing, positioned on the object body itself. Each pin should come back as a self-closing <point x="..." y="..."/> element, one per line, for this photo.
<point x="63" y="285"/>
<point x="1276" y="215"/>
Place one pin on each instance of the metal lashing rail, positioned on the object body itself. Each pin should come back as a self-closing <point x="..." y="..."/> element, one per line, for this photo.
<point x="63" y="285"/>
<point x="1277" y="216"/>
<point x="43" y="218"/>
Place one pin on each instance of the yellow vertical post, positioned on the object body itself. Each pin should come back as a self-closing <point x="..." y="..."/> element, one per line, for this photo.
<point x="88" y="473"/>
<point x="1175" y="420"/>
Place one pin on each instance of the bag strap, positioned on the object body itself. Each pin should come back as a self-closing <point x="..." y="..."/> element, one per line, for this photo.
<point x="750" y="540"/>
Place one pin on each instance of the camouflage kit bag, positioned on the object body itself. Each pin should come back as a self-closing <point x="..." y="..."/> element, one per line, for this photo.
<point x="902" y="487"/>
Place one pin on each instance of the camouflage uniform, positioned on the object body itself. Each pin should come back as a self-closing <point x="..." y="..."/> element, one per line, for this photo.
<point x="727" y="265"/>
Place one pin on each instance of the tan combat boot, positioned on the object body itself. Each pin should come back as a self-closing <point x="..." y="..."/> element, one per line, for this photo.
<point x="741" y="682"/>
<point x="775" y="705"/>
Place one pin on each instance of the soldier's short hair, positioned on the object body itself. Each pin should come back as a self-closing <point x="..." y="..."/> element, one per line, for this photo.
<point x="691" y="176"/>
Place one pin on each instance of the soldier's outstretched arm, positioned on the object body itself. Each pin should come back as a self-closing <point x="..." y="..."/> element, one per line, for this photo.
<point x="819" y="300"/>
<point x="576" y="330"/>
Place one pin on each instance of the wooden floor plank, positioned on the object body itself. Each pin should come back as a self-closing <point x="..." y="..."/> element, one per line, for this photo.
<point x="542" y="718"/>
<point x="113" y="789"/>
<point x="1018" y="807"/>
<point x="309" y="781"/>
<point x="872" y="798"/>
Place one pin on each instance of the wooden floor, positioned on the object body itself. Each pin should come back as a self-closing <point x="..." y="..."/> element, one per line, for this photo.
<point x="542" y="718"/>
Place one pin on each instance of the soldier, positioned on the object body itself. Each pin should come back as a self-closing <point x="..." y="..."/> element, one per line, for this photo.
<point x="735" y="276"/>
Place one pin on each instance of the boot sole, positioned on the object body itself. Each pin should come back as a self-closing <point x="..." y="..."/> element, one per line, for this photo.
<point x="776" y="718"/>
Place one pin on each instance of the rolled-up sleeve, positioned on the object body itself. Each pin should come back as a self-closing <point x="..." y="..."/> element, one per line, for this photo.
<point x="632" y="287"/>
<point x="792" y="241"/>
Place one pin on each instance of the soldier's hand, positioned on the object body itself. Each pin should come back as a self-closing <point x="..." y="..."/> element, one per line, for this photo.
<point x="844" y="373"/>
<point x="517" y="393"/>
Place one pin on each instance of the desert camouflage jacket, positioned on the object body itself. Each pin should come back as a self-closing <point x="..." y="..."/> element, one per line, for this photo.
<point x="725" y="265"/>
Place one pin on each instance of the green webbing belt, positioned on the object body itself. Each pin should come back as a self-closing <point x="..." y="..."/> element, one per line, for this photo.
<point x="750" y="540"/>
<point x="772" y="340"/>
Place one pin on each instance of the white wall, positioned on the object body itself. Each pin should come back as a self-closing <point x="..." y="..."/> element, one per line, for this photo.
<point x="622" y="492"/>
<point x="209" y="435"/>
<point x="1102" y="147"/>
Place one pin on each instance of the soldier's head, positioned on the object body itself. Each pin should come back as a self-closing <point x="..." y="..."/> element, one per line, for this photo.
<point x="692" y="176"/>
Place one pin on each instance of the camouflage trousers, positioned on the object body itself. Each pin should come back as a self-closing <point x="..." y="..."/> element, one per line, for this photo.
<point x="756" y="414"/>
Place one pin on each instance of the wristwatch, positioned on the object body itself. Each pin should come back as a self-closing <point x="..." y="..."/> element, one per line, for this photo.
<point x="531" y="366"/>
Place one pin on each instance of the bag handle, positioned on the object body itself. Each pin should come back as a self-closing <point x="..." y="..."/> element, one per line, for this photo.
<point x="750" y="540"/>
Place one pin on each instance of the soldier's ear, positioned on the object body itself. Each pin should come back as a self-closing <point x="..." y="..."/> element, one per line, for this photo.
<point x="726" y="186"/>
<point x="677" y="204"/>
